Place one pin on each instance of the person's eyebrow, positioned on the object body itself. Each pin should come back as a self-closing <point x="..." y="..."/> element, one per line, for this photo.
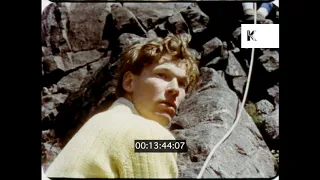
<point x="184" y="79"/>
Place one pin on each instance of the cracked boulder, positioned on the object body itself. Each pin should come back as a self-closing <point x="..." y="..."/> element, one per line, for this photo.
<point x="271" y="128"/>
<point x="151" y="14"/>
<point x="236" y="73"/>
<point x="197" y="20"/>
<point x="204" y="118"/>
<point x="270" y="60"/>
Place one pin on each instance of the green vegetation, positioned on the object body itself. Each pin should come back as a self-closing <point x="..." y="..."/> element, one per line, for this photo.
<point x="251" y="108"/>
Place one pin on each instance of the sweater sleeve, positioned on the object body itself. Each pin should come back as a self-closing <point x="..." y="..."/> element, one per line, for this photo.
<point x="131" y="164"/>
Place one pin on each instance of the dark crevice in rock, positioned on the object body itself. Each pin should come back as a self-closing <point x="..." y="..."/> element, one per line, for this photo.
<point x="272" y="144"/>
<point x="57" y="15"/>
<point x="194" y="158"/>
<point x="175" y="126"/>
<point x="229" y="80"/>
<point x="198" y="39"/>
<point x="109" y="31"/>
<point x="52" y="78"/>
<point x="214" y="54"/>
<point x="141" y="24"/>
<point x="47" y="122"/>
<point x="218" y="173"/>
<point x="157" y="22"/>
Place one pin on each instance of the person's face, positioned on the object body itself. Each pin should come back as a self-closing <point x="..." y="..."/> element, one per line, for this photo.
<point x="158" y="91"/>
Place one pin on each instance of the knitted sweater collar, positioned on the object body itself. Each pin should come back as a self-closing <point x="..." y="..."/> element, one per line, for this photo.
<point x="128" y="103"/>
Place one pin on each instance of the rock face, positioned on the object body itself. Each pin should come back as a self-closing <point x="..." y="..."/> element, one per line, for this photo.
<point x="81" y="44"/>
<point x="203" y="120"/>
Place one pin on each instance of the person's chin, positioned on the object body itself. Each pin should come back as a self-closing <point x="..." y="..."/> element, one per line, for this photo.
<point x="163" y="118"/>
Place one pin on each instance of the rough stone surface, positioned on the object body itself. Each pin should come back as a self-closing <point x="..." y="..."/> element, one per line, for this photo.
<point x="125" y="21"/>
<point x="177" y="25"/>
<point x="264" y="106"/>
<point x="85" y="24"/>
<point x="272" y="125"/>
<point x="51" y="63"/>
<point x="234" y="68"/>
<point x="239" y="84"/>
<point x="270" y="60"/>
<point x="151" y="14"/>
<point x="197" y="20"/>
<point x="203" y="120"/>
<point x="211" y="46"/>
<point x="274" y="92"/>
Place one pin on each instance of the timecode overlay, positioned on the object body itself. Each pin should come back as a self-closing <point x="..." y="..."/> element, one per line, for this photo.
<point x="160" y="146"/>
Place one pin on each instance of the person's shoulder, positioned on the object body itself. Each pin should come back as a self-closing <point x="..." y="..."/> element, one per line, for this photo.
<point x="121" y="119"/>
<point x="149" y="130"/>
<point x="113" y="115"/>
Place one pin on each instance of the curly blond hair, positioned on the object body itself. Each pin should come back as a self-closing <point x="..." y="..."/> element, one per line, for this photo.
<point x="139" y="55"/>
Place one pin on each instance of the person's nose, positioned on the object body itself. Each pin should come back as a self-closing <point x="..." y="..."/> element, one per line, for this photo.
<point x="173" y="89"/>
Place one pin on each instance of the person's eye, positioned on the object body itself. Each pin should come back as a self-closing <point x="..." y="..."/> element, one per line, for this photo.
<point x="161" y="75"/>
<point x="182" y="84"/>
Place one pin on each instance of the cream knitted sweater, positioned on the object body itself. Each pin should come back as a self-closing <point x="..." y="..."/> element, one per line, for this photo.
<point x="104" y="148"/>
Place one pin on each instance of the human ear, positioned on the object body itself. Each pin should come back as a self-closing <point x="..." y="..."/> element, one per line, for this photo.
<point x="128" y="82"/>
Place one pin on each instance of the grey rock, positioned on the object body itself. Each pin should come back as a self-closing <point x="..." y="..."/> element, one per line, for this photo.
<point x="52" y="63"/>
<point x="48" y="24"/>
<point x="126" y="22"/>
<point x="239" y="84"/>
<point x="177" y="25"/>
<point x="151" y="14"/>
<point x="264" y="106"/>
<point x="272" y="124"/>
<point x="234" y="68"/>
<point x="183" y="5"/>
<point x="211" y="46"/>
<point x="81" y="58"/>
<point x="50" y="103"/>
<point x="151" y="34"/>
<point x="103" y="46"/>
<point x="53" y="89"/>
<point x="214" y="62"/>
<point x="221" y="73"/>
<point x="270" y="60"/>
<point x="85" y="24"/>
<point x="84" y="87"/>
<point x="236" y="34"/>
<point x="274" y="92"/>
<point x="46" y="51"/>
<point x="51" y="147"/>
<point x="197" y="20"/>
<point x="45" y="91"/>
<point x="127" y="39"/>
<point x="73" y="81"/>
<point x="203" y="119"/>
<point x="235" y="50"/>
<point x="209" y="79"/>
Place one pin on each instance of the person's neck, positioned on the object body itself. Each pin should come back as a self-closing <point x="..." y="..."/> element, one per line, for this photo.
<point x="128" y="100"/>
<point x="128" y="97"/>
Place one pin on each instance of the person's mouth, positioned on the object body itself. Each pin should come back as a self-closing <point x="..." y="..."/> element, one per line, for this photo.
<point x="172" y="107"/>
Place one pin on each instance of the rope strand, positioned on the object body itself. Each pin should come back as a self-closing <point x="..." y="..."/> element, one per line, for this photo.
<point x="240" y="110"/>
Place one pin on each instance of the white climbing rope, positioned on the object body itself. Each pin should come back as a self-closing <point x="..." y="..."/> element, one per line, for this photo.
<point x="240" y="110"/>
